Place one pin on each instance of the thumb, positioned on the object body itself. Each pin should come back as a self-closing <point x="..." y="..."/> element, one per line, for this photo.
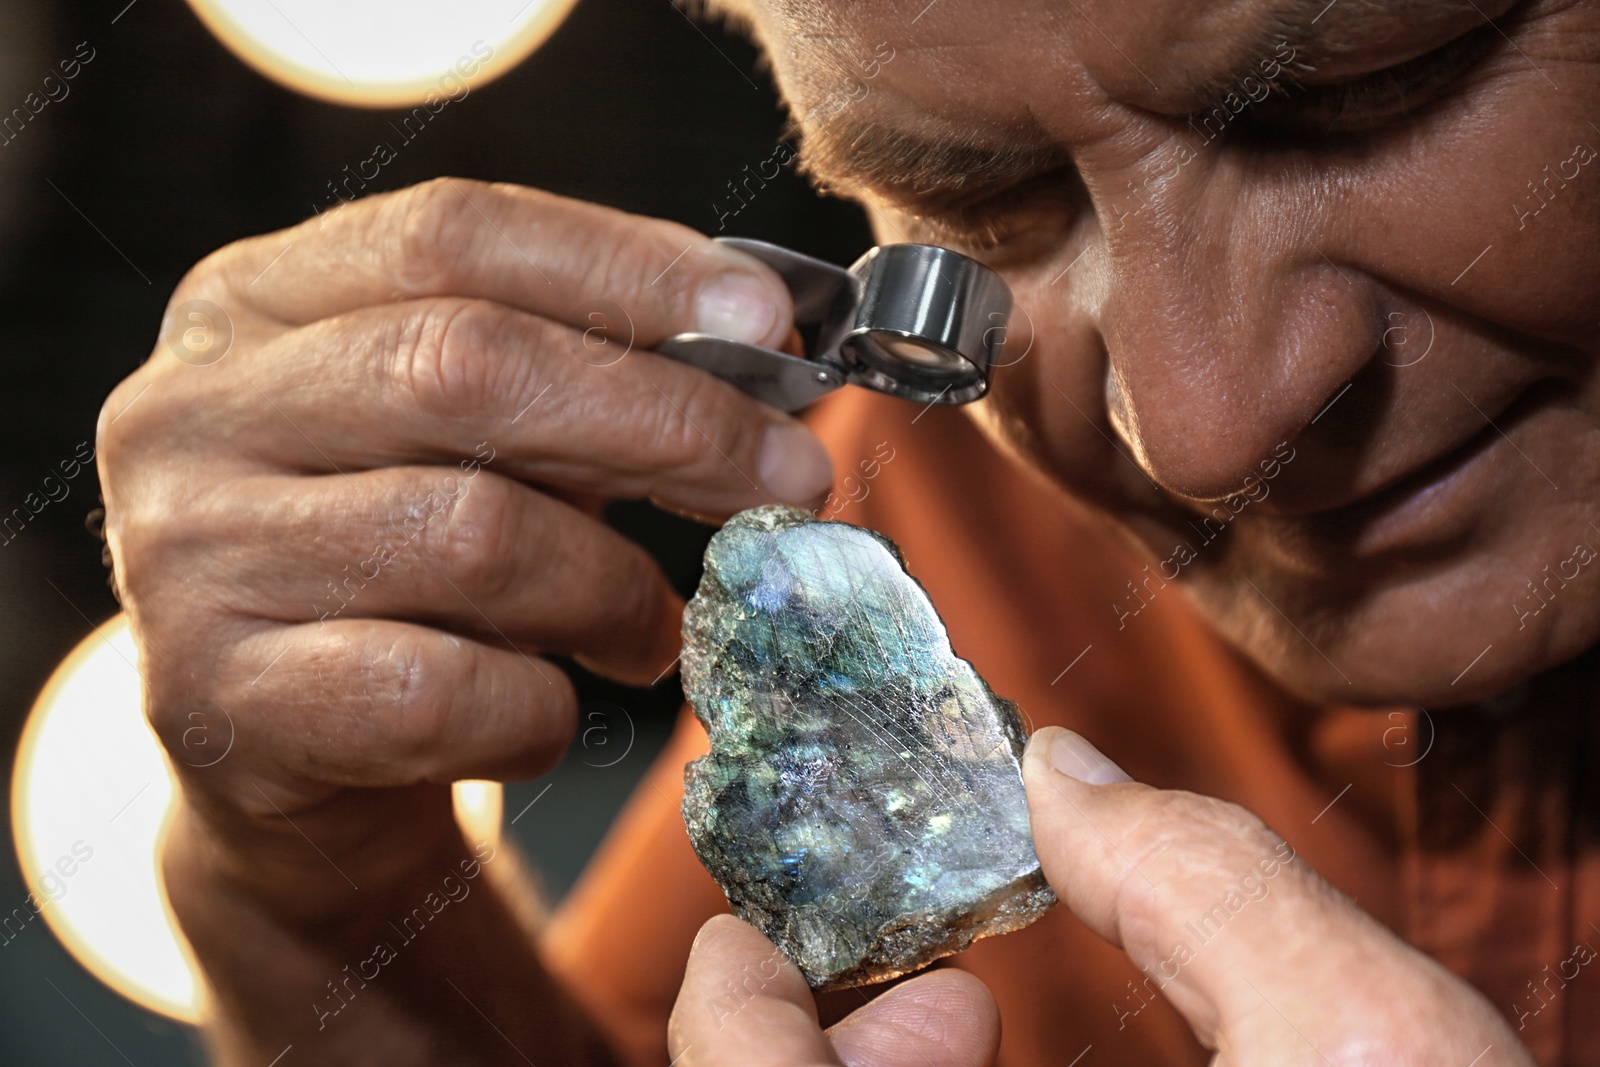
<point x="743" y="1004"/>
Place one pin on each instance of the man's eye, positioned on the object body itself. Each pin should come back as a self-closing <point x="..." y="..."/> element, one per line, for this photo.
<point x="1367" y="103"/>
<point x="1000" y="222"/>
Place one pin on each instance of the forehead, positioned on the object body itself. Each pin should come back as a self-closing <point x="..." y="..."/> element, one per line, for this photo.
<point x="1043" y="69"/>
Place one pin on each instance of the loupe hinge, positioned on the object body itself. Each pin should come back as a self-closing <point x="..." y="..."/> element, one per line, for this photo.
<point x="786" y="382"/>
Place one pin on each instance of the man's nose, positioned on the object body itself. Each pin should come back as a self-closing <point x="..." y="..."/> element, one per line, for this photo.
<point x="1227" y="322"/>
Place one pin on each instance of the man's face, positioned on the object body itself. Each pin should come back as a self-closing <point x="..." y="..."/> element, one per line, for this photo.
<point x="1308" y="295"/>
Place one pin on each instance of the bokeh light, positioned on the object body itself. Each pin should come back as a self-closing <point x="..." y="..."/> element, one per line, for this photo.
<point x="92" y="792"/>
<point x="382" y="53"/>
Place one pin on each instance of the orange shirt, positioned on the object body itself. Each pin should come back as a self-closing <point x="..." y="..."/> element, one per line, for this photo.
<point x="1472" y="832"/>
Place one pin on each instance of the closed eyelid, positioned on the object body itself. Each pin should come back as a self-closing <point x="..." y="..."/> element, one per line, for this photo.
<point x="1344" y="38"/>
<point x="1354" y="104"/>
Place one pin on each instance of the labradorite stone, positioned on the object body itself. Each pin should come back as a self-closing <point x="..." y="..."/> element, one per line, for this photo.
<point x="862" y="804"/>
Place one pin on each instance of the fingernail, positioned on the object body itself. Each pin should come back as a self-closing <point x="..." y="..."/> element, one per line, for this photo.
<point x="1075" y="757"/>
<point x="737" y="305"/>
<point x="794" y="466"/>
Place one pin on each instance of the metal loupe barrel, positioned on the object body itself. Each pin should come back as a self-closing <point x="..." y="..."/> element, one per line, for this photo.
<point x="929" y="325"/>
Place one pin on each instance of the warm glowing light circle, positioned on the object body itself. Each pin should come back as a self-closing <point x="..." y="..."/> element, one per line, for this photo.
<point x="90" y="771"/>
<point x="91" y="796"/>
<point x="381" y="53"/>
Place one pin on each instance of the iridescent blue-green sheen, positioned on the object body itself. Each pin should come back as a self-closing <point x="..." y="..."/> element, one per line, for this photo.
<point x="862" y="804"/>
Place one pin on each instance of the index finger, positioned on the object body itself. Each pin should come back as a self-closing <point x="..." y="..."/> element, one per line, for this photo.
<point x="550" y="255"/>
<point x="1141" y="866"/>
<point x="1256" y="951"/>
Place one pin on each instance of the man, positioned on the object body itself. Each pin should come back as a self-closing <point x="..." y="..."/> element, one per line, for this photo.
<point x="1309" y="315"/>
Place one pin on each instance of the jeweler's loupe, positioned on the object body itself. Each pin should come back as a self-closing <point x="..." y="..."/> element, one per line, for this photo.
<point x="915" y="321"/>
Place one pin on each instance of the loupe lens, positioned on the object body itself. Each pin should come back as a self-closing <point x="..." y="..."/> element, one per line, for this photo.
<point x="911" y="357"/>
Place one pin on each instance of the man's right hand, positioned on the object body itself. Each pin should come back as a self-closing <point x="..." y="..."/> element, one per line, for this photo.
<point x="345" y="543"/>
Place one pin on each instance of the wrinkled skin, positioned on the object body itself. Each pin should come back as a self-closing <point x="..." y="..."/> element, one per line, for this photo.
<point x="1195" y="309"/>
<point x="1194" y="304"/>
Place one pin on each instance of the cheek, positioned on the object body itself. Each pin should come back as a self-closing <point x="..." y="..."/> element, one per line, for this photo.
<point x="1486" y="206"/>
<point x="1538" y="597"/>
<point x="1506" y="598"/>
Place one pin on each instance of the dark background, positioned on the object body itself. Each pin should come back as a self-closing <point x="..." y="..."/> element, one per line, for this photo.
<point x="171" y="147"/>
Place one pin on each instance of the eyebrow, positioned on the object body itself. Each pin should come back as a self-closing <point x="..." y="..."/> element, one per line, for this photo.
<point x="853" y="156"/>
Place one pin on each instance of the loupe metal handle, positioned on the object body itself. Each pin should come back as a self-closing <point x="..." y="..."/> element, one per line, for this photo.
<point x="787" y="382"/>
